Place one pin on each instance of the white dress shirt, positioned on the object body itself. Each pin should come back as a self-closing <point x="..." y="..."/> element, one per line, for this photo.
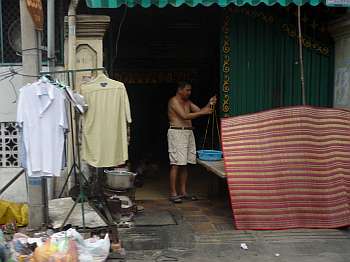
<point x="41" y="112"/>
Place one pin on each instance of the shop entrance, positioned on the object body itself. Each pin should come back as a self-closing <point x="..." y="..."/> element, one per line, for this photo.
<point x="158" y="47"/>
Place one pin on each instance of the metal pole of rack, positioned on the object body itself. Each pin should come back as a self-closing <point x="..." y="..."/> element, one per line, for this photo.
<point x="2" y="190"/>
<point x="74" y="71"/>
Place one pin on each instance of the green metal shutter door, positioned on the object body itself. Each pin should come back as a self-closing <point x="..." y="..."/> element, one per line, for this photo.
<point x="265" y="72"/>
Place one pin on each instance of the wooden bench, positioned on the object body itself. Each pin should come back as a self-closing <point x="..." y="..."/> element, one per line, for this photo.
<point x="215" y="167"/>
<point x="215" y="183"/>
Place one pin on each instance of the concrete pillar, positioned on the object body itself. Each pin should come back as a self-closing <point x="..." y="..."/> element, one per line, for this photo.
<point x="340" y="30"/>
<point x="71" y="19"/>
<point x="51" y="34"/>
<point x="82" y="49"/>
<point x="30" y="63"/>
<point x="90" y="30"/>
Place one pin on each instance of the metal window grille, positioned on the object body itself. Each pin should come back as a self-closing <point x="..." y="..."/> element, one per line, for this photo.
<point x="8" y="145"/>
<point x="10" y="17"/>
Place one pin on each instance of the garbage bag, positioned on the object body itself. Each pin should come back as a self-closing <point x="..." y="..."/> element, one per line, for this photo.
<point x="8" y="252"/>
<point x="70" y="246"/>
<point x="58" y="250"/>
<point x="67" y="253"/>
<point x="91" y="249"/>
<point x="98" y="248"/>
<point x="83" y="253"/>
<point x="3" y="249"/>
<point x="44" y="252"/>
<point x="10" y="212"/>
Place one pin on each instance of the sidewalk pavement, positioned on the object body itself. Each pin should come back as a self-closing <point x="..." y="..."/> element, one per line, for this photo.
<point x="203" y="231"/>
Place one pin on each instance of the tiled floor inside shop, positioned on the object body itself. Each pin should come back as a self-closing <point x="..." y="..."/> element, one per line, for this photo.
<point x="204" y="216"/>
<point x="210" y="213"/>
<point x="156" y="185"/>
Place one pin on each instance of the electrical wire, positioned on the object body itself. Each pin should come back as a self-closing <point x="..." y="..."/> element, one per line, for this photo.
<point x="6" y="74"/>
<point x="217" y="127"/>
<point x="214" y="118"/>
<point x="206" y="133"/>
<point x="119" y="33"/>
<point x="212" y="128"/>
<point x="302" y="78"/>
<point x="6" y="77"/>
<point x="29" y="49"/>
<point x="10" y="73"/>
<point x="13" y="89"/>
<point x="17" y="73"/>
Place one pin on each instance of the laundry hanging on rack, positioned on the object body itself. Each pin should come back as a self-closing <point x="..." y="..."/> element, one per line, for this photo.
<point x="105" y="124"/>
<point x="22" y="156"/>
<point x="41" y="114"/>
<point x="77" y="100"/>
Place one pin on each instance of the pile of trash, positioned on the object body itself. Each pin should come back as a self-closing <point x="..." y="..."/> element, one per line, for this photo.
<point x="64" y="246"/>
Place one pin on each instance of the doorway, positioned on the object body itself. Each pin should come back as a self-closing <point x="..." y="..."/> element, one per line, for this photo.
<point x="157" y="48"/>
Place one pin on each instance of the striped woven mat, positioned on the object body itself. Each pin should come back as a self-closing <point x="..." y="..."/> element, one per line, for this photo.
<point x="289" y="168"/>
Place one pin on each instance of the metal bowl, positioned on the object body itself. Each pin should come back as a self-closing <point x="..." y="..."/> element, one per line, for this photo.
<point x="120" y="179"/>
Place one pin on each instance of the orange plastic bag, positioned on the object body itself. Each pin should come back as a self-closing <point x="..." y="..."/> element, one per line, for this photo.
<point x="44" y="252"/>
<point x="69" y="255"/>
<point x="57" y="252"/>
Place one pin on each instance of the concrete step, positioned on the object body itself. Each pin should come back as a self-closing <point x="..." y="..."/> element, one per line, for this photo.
<point x="285" y="236"/>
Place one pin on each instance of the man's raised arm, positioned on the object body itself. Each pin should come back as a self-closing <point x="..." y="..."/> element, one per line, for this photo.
<point x="195" y="108"/>
<point x="176" y="106"/>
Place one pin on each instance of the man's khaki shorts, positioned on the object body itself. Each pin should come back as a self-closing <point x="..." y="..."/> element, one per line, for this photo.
<point x="182" y="147"/>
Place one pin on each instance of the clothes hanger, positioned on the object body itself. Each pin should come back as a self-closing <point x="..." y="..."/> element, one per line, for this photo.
<point x="47" y="79"/>
<point x="101" y="78"/>
<point x="59" y="84"/>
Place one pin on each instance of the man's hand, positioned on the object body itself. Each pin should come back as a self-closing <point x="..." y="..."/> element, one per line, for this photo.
<point x="212" y="101"/>
<point x="206" y="110"/>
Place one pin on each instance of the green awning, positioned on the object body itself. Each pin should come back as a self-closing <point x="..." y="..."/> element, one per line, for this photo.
<point x="192" y="3"/>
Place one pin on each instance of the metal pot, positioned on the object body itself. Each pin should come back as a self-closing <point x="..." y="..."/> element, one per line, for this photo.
<point x="120" y="179"/>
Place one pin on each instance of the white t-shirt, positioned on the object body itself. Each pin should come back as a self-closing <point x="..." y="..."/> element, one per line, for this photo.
<point x="41" y="112"/>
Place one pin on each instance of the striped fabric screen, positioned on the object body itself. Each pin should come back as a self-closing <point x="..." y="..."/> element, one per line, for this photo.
<point x="289" y="168"/>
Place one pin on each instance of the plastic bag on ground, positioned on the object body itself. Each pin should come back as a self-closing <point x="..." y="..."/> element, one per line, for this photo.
<point x="43" y="253"/>
<point x="57" y="250"/>
<point x="10" y="211"/>
<point x="8" y="252"/>
<point x="68" y="253"/>
<point x="70" y="246"/>
<point x="98" y="248"/>
<point x="89" y="250"/>
<point x="3" y="248"/>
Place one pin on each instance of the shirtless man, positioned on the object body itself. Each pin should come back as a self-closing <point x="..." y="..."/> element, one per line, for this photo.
<point x="181" y="142"/>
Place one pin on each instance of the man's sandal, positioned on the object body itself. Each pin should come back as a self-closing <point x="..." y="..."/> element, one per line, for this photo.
<point x="189" y="197"/>
<point x="175" y="199"/>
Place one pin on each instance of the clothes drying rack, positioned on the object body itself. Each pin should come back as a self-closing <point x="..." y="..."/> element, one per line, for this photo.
<point x="75" y="170"/>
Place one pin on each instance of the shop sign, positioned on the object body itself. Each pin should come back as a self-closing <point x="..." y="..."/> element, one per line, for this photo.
<point x="338" y="3"/>
<point x="35" y="9"/>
